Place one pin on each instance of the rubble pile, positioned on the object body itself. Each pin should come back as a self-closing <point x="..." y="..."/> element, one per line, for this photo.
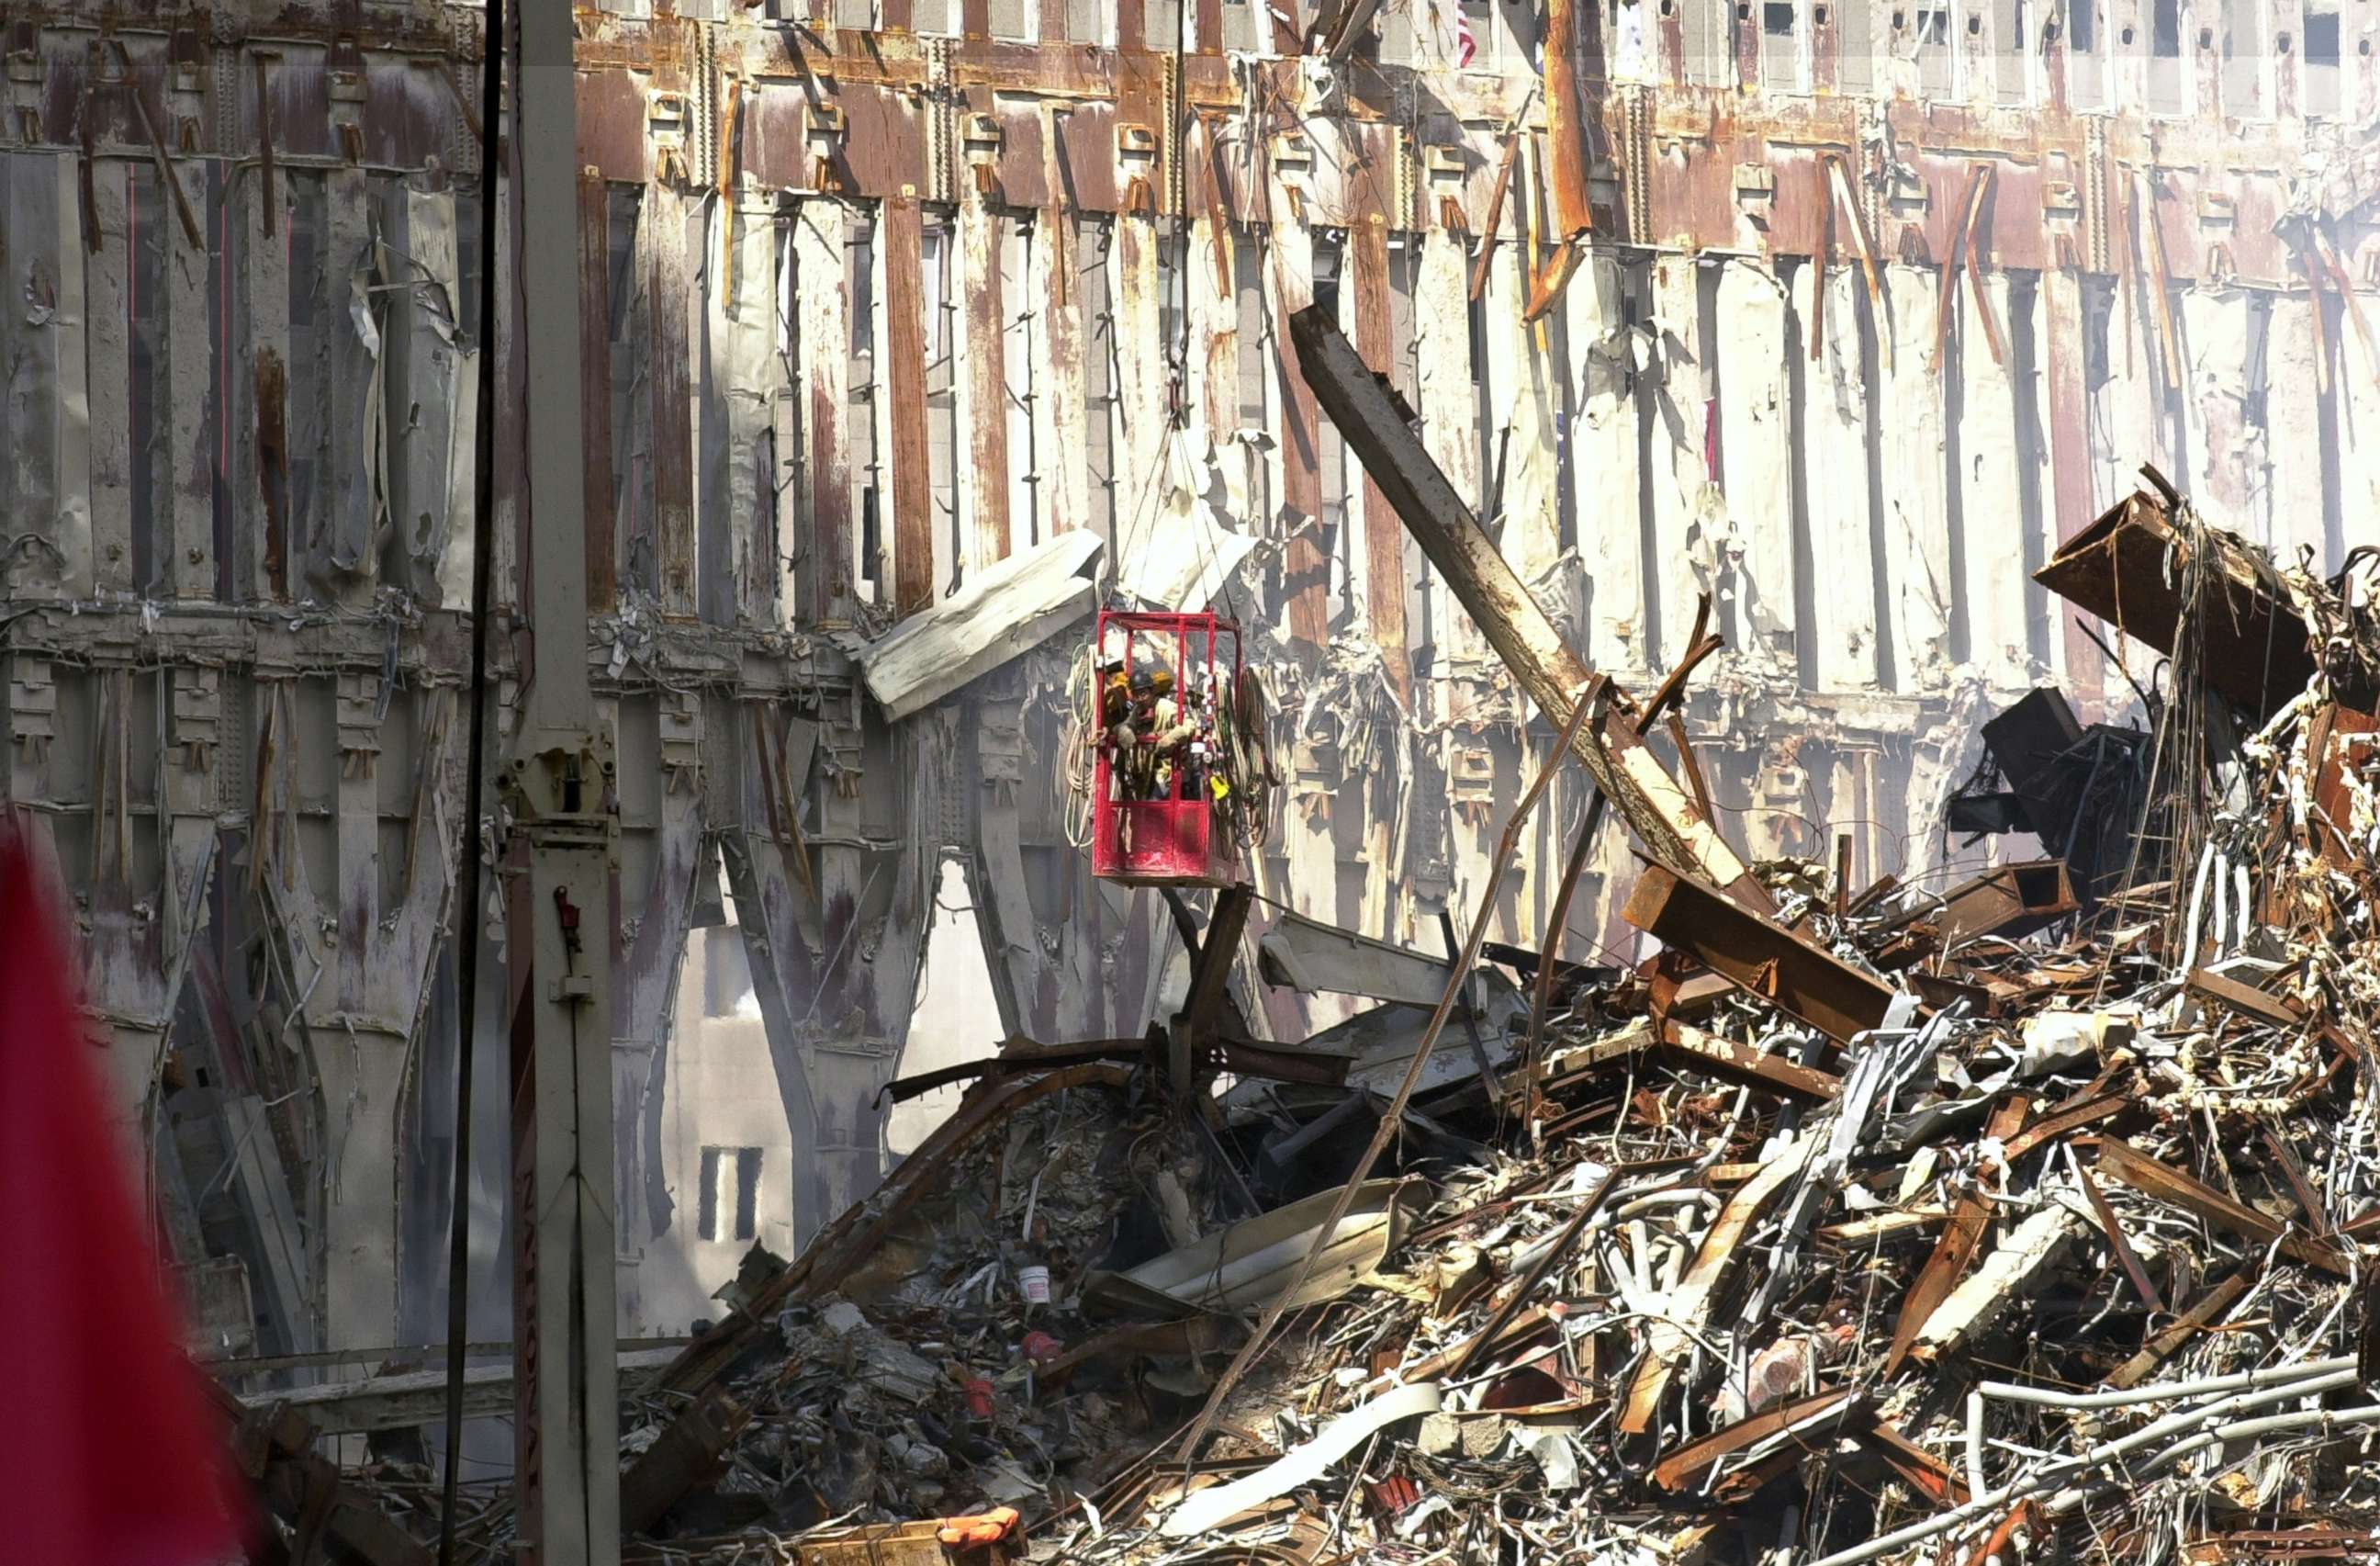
<point x="2025" y="1219"/>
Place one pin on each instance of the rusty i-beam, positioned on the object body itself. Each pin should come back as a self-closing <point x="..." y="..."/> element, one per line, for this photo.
<point x="1377" y="426"/>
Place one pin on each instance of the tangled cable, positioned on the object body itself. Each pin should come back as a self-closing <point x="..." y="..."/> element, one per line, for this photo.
<point x="1247" y="759"/>
<point x="1079" y="746"/>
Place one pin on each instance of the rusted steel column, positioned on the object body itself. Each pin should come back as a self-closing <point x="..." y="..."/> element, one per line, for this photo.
<point x="2202" y="38"/>
<point x="986" y="386"/>
<point x="344" y="561"/>
<point x="1384" y="537"/>
<point x="1759" y="428"/>
<point x="822" y="283"/>
<point x="748" y="336"/>
<point x="1306" y="572"/>
<point x="259" y="443"/>
<point x="1832" y="431"/>
<point x="2296" y="392"/>
<point x="595" y="367"/>
<point x="2289" y="23"/>
<point x="1568" y="123"/>
<point x="1824" y="45"/>
<point x="1061" y="405"/>
<point x="1673" y="46"/>
<point x="2053" y="62"/>
<point x="1215" y="340"/>
<point x="1136" y="294"/>
<point x="904" y="384"/>
<point x="186" y="410"/>
<point x="109" y="289"/>
<point x="2069" y="463"/>
<point x="672" y="295"/>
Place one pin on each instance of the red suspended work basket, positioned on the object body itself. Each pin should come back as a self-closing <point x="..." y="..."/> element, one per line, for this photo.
<point x="1158" y="817"/>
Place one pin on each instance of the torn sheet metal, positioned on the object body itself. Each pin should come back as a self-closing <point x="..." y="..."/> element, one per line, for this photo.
<point x="1245" y="1267"/>
<point x="1208" y="1508"/>
<point x="1753" y="547"/>
<point x="429" y="420"/>
<point x="1182" y="556"/>
<point x="1316" y="958"/>
<point x="1007" y="609"/>
<point x="1914" y="468"/>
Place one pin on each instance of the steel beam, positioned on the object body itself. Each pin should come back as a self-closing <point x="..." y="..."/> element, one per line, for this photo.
<point x="558" y="781"/>
<point x="1375" y="423"/>
<point x="1758" y="955"/>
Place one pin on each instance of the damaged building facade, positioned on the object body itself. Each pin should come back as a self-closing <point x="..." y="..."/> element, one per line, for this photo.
<point x="1844" y="315"/>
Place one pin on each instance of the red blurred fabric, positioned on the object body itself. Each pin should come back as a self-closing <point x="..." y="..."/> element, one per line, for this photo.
<point x="109" y="1452"/>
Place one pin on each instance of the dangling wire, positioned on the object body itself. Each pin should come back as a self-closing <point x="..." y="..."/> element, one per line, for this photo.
<point x="1080" y="743"/>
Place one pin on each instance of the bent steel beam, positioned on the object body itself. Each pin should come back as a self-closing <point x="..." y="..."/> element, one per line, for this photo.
<point x="1377" y="425"/>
